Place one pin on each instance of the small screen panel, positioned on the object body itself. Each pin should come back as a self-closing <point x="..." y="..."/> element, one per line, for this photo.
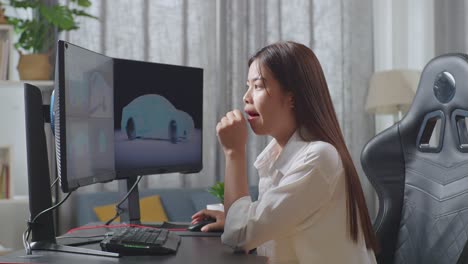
<point x="89" y="114"/>
<point x="158" y="118"/>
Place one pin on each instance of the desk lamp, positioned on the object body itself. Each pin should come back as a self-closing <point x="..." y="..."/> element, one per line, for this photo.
<point x="391" y="92"/>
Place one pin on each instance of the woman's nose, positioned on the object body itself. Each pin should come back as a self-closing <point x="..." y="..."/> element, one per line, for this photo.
<point x="247" y="97"/>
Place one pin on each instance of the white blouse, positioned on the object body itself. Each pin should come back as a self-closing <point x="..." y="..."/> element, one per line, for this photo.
<point x="300" y="215"/>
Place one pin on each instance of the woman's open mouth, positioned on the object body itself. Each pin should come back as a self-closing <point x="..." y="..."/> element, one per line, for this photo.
<point x="251" y="115"/>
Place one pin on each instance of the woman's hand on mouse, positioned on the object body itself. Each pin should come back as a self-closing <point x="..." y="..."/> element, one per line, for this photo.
<point x="203" y="214"/>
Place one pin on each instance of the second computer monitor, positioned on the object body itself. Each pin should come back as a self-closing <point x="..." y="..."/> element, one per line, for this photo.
<point x="158" y="116"/>
<point x="117" y="118"/>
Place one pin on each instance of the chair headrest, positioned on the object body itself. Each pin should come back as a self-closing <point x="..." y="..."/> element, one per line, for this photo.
<point x="442" y="96"/>
<point x="434" y="91"/>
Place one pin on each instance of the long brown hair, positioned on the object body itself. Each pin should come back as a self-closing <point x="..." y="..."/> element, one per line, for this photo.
<point x="299" y="72"/>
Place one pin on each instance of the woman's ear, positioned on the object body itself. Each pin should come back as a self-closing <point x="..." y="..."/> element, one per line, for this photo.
<point x="291" y="100"/>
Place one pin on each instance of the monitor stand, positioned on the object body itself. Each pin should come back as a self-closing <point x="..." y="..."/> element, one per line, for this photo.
<point x="131" y="206"/>
<point x="40" y="196"/>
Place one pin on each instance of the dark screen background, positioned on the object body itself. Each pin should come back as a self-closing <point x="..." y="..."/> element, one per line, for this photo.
<point x="182" y="86"/>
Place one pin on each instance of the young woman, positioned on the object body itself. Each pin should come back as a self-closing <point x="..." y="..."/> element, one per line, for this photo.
<point x="311" y="207"/>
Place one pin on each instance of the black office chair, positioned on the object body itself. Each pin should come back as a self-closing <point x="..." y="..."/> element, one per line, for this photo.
<point x="419" y="169"/>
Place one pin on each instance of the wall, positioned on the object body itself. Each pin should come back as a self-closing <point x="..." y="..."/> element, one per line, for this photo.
<point x="13" y="134"/>
<point x="13" y="130"/>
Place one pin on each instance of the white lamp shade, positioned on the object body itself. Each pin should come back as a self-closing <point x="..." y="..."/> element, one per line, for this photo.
<point x="392" y="91"/>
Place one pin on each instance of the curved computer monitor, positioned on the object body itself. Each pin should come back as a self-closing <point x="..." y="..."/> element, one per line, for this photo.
<point x="116" y="118"/>
<point x="83" y="133"/>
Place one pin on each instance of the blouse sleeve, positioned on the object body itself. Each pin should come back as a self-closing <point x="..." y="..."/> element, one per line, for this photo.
<point x="301" y="193"/>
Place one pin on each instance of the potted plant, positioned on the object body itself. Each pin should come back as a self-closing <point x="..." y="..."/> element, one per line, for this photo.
<point x="218" y="191"/>
<point x="37" y="31"/>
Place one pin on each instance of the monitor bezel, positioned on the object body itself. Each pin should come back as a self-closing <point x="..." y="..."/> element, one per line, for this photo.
<point x="67" y="184"/>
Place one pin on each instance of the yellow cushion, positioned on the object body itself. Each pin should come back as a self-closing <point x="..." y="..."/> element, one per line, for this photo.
<point x="151" y="210"/>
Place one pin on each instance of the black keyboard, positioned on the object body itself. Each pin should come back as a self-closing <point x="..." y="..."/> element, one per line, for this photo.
<point x="141" y="241"/>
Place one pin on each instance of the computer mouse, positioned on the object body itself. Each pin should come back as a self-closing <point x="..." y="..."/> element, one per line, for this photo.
<point x="198" y="226"/>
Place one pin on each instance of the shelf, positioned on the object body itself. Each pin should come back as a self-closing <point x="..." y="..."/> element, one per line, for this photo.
<point x="43" y="85"/>
<point x="14" y="214"/>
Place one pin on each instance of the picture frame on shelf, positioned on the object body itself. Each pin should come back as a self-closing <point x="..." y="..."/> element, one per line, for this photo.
<point x="5" y="177"/>
<point x="6" y="47"/>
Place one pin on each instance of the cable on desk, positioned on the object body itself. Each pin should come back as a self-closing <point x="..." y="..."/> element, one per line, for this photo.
<point x="118" y="210"/>
<point x="27" y="232"/>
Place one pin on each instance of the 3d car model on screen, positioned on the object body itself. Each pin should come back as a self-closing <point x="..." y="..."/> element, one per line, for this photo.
<point x="153" y="116"/>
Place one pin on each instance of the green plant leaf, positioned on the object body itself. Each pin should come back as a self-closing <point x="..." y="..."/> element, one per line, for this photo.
<point x="36" y="35"/>
<point x="14" y="22"/>
<point x="83" y="3"/>
<point x="31" y="35"/>
<point x="217" y="190"/>
<point x="78" y="12"/>
<point x="59" y="16"/>
<point x="24" y="3"/>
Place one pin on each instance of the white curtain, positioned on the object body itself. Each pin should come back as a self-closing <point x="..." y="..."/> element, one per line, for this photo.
<point x="219" y="36"/>
<point x="451" y="27"/>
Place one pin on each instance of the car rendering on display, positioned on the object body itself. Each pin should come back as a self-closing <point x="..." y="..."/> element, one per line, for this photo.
<point x="152" y="116"/>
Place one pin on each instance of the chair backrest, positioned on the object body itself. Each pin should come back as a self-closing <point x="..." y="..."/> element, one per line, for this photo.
<point x="419" y="169"/>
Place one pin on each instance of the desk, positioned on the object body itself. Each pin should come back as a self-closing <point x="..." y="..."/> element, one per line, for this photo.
<point x="196" y="250"/>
